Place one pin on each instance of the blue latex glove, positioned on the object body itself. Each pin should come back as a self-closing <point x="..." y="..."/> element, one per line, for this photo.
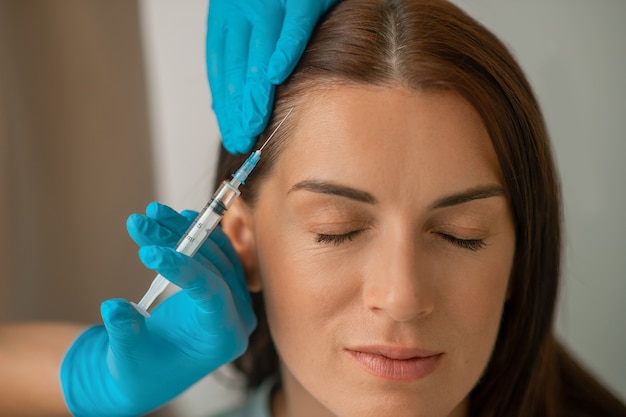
<point x="132" y="365"/>
<point x="251" y="46"/>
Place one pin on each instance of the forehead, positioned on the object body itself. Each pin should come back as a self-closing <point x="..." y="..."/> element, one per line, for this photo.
<point x="381" y="134"/>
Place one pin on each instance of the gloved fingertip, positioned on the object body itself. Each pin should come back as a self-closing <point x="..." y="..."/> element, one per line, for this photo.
<point x="152" y="256"/>
<point x="278" y="68"/>
<point x="152" y="207"/>
<point x="256" y="123"/>
<point x="238" y="145"/>
<point x="228" y="145"/>
<point x="119" y="315"/>
<point x="162" y="259"/>
<point x="189" y="214"/>
<point x="156" y="210"/>
<point x="138" y="228"/>
<point x="133" y="222"/>
<point x="246" y="144"/>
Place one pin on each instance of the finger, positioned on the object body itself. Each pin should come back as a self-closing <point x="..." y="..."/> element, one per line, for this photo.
<point x="161" y="226"/>
<point x="218" y="249"/>
<point x="145" y="231"/>
<point x="125" y="326"/>
<point x="219" y="252"/>
<point x="168" y="218"/>
<point x="237" y="40"/>
<point x="215" y="263"/>
<point x="300" y="19"/>
<point x="224" y="40"/>
<point x="259" y="91"/>
<point x="189" y="214"/>
<point x="219" y="336"/>
<point x="203" y="284"/>
<point x="214" y="53"/>
<point x="215" y="44"/>
<point x="179" y="223"/>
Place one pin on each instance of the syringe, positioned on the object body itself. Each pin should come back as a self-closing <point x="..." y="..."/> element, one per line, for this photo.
<point x="206" y="221"/>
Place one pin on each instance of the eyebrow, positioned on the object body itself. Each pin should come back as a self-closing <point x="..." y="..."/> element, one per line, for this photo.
<point x="323" y="187"/>
<point x="475" y="193"/>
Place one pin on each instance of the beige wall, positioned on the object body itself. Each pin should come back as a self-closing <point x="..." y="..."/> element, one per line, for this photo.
<point x="75" y="156"/>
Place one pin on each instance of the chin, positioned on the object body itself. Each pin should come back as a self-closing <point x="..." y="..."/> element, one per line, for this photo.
<point x="400" y="404"/>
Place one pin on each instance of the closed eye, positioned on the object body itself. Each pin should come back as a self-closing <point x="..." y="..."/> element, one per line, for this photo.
<point x="469" y="244"/>
<point x="337" y="239"/>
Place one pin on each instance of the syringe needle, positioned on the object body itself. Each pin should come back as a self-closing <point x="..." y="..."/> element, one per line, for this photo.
<point x="275" y="130"/>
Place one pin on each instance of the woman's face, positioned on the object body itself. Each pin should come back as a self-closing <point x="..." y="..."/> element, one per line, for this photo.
<point x="384" y="243"/>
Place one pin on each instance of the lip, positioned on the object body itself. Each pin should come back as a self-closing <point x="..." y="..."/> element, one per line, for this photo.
<point x="396" y="363"/>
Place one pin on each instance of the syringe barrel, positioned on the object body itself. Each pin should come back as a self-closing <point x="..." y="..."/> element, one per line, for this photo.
<point x="208" y="218"/>
<point x="194" y="237"/>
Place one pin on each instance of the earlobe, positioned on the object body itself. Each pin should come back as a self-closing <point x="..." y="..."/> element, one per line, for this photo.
<point x="237" y="223"/>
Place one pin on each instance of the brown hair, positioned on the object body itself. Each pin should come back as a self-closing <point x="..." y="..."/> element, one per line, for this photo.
<point x="431" y="45"/>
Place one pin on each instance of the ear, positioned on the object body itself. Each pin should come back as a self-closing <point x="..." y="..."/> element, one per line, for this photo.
<point x="237" y="223"/>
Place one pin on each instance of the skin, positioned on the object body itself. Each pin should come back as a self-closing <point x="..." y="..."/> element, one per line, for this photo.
<point x="339" y="272"/>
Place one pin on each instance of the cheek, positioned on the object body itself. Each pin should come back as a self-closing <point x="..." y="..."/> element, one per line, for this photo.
<point x="475" y="303"/>
<point x="303" y="297"/>
<point x="479" y="293"/>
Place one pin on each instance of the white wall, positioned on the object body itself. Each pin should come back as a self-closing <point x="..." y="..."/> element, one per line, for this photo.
<point x="573" y="53"/>
<point x="184" y="127"/>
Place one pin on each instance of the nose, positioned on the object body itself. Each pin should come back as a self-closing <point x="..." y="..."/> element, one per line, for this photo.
<point x="398" y="284"/>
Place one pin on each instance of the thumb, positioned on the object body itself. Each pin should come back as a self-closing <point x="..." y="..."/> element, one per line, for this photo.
<point x="125" y="326"/>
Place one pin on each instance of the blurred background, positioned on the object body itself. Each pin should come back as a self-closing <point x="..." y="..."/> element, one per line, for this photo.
<point x="105" y="106"/>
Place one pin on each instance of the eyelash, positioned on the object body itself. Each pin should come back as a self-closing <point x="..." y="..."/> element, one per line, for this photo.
<point x="469" y="244"/>
<point x="337" y="239"/>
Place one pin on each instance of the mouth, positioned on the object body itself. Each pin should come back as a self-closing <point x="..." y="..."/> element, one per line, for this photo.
<point x="395" y="364"/>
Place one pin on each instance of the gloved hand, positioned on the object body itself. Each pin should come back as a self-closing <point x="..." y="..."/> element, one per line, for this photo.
<point x="132" y="365"/>
<point x="251" y="46"/>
